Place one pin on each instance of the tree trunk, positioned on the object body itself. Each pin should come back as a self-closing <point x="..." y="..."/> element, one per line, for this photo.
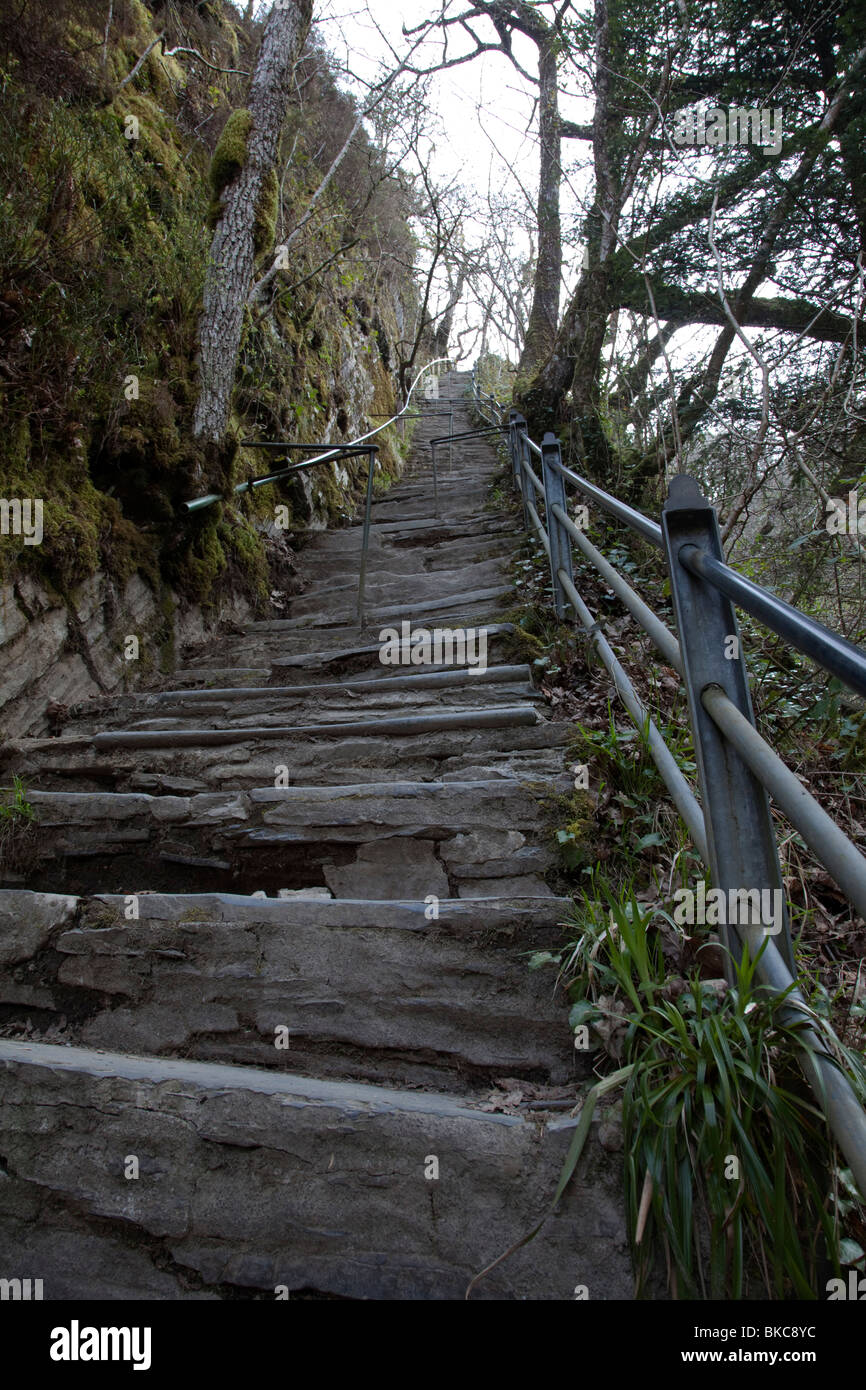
<point x="442" y="336"/>
<point x="233" y="247"/>
<point x="544" y="314"/>
<point x="573" y="359"/>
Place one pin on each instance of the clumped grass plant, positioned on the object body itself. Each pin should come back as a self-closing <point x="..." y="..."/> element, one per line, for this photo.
<point x="17" y="829"/>
<point x="732" y="1178"/>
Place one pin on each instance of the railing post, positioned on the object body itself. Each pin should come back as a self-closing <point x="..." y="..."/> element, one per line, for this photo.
<point x="435" y="481"/>
<point x="740" y="834"/>
<point x="365" y="543"/>
<point x="519" y="450"/>
<point x="560" y="541"/>
<point x="514" y="422"/>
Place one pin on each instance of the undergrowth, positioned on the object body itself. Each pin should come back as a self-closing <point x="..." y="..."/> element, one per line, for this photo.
<point x="734" y="1185"/>
<point x="731" y="1174"/>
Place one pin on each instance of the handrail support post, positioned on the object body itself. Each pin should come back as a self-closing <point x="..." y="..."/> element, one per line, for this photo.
<point x="560" y="541"/>
<point x="744" y="858"/>
<point x="433" y="448"/>
<point x="362" y="579"/>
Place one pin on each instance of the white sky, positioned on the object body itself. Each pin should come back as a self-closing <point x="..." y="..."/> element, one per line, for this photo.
<point x="483" y="107"/>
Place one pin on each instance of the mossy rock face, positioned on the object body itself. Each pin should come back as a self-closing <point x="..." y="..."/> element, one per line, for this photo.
<point x="83" y="530"/>
<point x="230" y="155"/>
<point x="198" y="562"/>
<point x="158" y="137"/>
<point x="116" y="232"/>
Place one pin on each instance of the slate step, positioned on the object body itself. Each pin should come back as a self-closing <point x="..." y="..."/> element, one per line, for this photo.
<point x="404" y="554"/>
<point x="259" y="1179"/>
<point x="393" y="679"/>
<point x="374" y="840"/>
<point x="358" y="812"/>
<point x="437" y="529"/>
<point x="409" y="691"/>
<point x="386" y="590"/>
<point x="350" y="653"/>
<point x="358" y="992"/>
<point x="497" y="717"/>
<point x="533" y="753"/>
<point x="426" y="610"/>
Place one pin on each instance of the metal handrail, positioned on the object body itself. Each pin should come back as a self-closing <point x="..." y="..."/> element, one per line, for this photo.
<point x="352" y="448"/>
<point x="478" y="395"/>
<point x="736" y="766"/>
<point x="335" y="451"/>
<point x="828" y="648"/>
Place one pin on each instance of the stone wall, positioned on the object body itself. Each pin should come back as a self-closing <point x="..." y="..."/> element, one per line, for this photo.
<point x="62" y="653"/>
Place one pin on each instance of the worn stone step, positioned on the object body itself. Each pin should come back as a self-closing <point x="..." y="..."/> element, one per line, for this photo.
<point x="356" y="656"/>
<point x="501" y="717"/>
<point x="349" y="653"/>
<point x="407" y="554"/>
<point x="461" y="608"/>
<point x="260" y="1179"/>
<point x="366" y="990"/>
<point x="438" y="530"/>
<point x="426" y="810"/>
<point x="455" y="502"/>
<point x="28" y="920"/>
<point x="392" y="679"/>
<point x="368" y="840"/>
<point x="533" y="754"/>
<point x="274" y="710"/>
<point x="409" y="693"/>
<point x="413" y="585"/>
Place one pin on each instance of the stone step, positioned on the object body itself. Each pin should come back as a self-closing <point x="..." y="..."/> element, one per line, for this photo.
<point x="266" y="709"/>
<point x="457" y="609"/>
<point x="399" y="679"/>
<point x="354" y="656"/>
<point x="440" y="811"/>
<point x="368" y="840"/>
<point x="221" y="675"/>
<point x="346" y="651"/>
<point x="438" y="588"/>
<point x="504" y="717"/>
<point x="455" y="503"/>
<point x="433" y="527"/>
<point x="409" y="553"/>
<point x="411" y="692"/>
<point x="260" y="1179"/>
<point x="533" y="754"/>
<point x="28" y="920"/>
<point x="369" y="990"/>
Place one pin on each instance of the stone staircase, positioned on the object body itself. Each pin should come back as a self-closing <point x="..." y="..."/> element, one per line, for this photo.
<point x="263" y="959"/>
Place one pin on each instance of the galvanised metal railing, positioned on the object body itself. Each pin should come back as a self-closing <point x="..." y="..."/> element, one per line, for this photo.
<point x="731" y="826"/>
<point x="334" y="453"/>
